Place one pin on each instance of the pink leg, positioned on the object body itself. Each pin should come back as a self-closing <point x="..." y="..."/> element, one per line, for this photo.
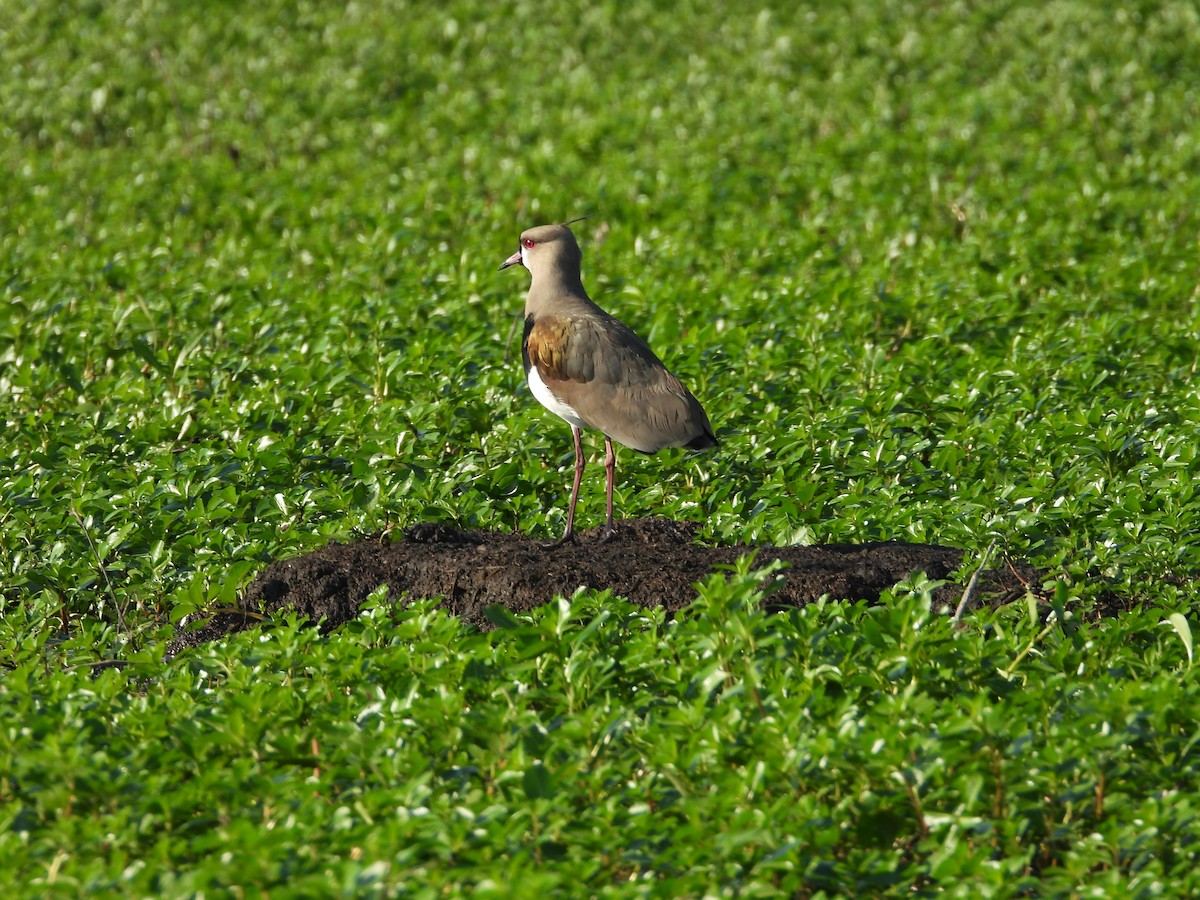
<point x="610" y="465"/>
<point x="569" y="534"/>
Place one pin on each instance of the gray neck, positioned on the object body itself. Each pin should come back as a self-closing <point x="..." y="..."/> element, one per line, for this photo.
<point x="556" y="289"/>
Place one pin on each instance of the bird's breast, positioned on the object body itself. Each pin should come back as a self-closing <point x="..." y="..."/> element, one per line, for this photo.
<point x="546" y="352"/>
<point x="546" y="397"/>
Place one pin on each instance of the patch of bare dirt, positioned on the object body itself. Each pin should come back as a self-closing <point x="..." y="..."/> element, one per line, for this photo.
<point x="651" y="562"/>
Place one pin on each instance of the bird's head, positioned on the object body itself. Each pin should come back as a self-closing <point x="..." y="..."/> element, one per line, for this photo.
<point x="547" y="248"/>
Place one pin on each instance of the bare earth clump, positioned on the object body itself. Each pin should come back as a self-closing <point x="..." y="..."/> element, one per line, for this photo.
<point x="651" y="562"/>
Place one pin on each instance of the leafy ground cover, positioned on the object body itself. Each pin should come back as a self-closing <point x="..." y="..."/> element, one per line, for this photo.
<point x="932" y="270"/>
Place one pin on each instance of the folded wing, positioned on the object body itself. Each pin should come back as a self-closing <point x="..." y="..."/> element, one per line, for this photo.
<point x="598" y="367"/>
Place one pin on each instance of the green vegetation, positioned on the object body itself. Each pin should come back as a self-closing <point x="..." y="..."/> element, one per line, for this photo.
<point x="931" y="269"/>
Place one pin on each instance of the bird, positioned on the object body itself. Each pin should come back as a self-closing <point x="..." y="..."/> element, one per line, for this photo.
<point x="591" y="370"/>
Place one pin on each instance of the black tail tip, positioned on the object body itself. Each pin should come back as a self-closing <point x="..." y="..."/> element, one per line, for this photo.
<point x="703" y="441"/>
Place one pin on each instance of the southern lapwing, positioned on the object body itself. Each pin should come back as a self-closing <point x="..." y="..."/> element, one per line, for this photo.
<point x="592" y="370"/>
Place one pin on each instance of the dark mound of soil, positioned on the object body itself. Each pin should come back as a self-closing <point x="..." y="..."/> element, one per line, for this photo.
<point x="651" y="562"/>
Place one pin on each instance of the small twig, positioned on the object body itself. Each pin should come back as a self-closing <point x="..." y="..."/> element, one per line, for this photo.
<point x="999" y="809"/>
<point x="1038" y="594"/>
<point x="973" y="583"/>
<point x="98" y="664"/>
<point x="511" y="332"/>
<point x="1017" y="575"/>
<point x="1008" y="673"/>
<point x="100" y="565"/>
<point x="235" y="611"/>
<point x="915" y="799"/>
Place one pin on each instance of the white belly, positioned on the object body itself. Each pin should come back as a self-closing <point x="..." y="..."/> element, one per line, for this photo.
<point x="552" y="403"/>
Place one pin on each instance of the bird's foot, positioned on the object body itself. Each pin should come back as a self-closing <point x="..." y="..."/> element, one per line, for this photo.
<point x="568" y="538"/>
<point x="609" y="532"/>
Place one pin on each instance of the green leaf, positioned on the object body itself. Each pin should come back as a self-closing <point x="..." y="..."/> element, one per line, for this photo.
<point x="1182" y="628"/>
<point x="501" y="616"/>
<point x="538" y="783"/>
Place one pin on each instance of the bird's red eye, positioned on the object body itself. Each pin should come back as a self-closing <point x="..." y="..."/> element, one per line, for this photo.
<point x="527" y="243"/>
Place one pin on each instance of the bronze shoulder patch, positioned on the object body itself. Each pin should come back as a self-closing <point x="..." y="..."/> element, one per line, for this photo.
<point x="556" y="346"/>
